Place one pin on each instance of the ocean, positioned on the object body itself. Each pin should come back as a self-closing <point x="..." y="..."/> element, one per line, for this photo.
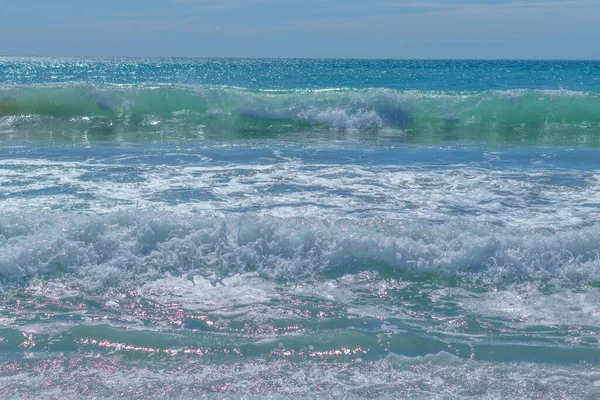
<point x="272" y="228"/>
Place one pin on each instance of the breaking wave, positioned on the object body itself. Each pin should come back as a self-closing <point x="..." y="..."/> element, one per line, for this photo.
<point x="122" y="248"/>
<point x="172" y="112"/>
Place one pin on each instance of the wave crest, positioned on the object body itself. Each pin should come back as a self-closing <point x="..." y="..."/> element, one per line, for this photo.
<point x="176" y="112"/>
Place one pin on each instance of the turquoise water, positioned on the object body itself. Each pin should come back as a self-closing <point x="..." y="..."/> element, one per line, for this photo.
<point x="174" y="228"/>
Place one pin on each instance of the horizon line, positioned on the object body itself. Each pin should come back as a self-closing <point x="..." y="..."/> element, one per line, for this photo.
<point x="304" y="58"/>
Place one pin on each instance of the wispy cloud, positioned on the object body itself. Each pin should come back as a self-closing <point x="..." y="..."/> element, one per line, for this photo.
<point x="507" y="5"/>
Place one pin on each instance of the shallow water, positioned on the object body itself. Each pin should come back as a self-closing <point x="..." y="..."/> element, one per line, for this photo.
<point x="293" y="228"/>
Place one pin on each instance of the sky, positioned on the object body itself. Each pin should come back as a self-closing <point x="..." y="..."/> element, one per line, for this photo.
<point x="484" y="29"/>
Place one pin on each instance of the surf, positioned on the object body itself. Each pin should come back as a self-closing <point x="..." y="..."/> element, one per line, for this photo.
<point x="150" y="112"/>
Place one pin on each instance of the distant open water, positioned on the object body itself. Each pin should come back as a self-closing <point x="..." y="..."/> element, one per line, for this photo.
<point x="174" y="228"/>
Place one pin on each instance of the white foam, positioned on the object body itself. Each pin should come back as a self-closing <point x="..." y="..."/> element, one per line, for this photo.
<point x="511" y="197"/>
<point x="342" y="119"/>
<point x="127" y="246"/>
<point x="431" y="377"/>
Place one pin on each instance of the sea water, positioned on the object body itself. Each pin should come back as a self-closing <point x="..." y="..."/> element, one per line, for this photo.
<point x="177" y="228"/>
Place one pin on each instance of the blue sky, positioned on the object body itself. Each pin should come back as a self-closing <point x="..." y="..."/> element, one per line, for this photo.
<point x="564" y="29"/>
